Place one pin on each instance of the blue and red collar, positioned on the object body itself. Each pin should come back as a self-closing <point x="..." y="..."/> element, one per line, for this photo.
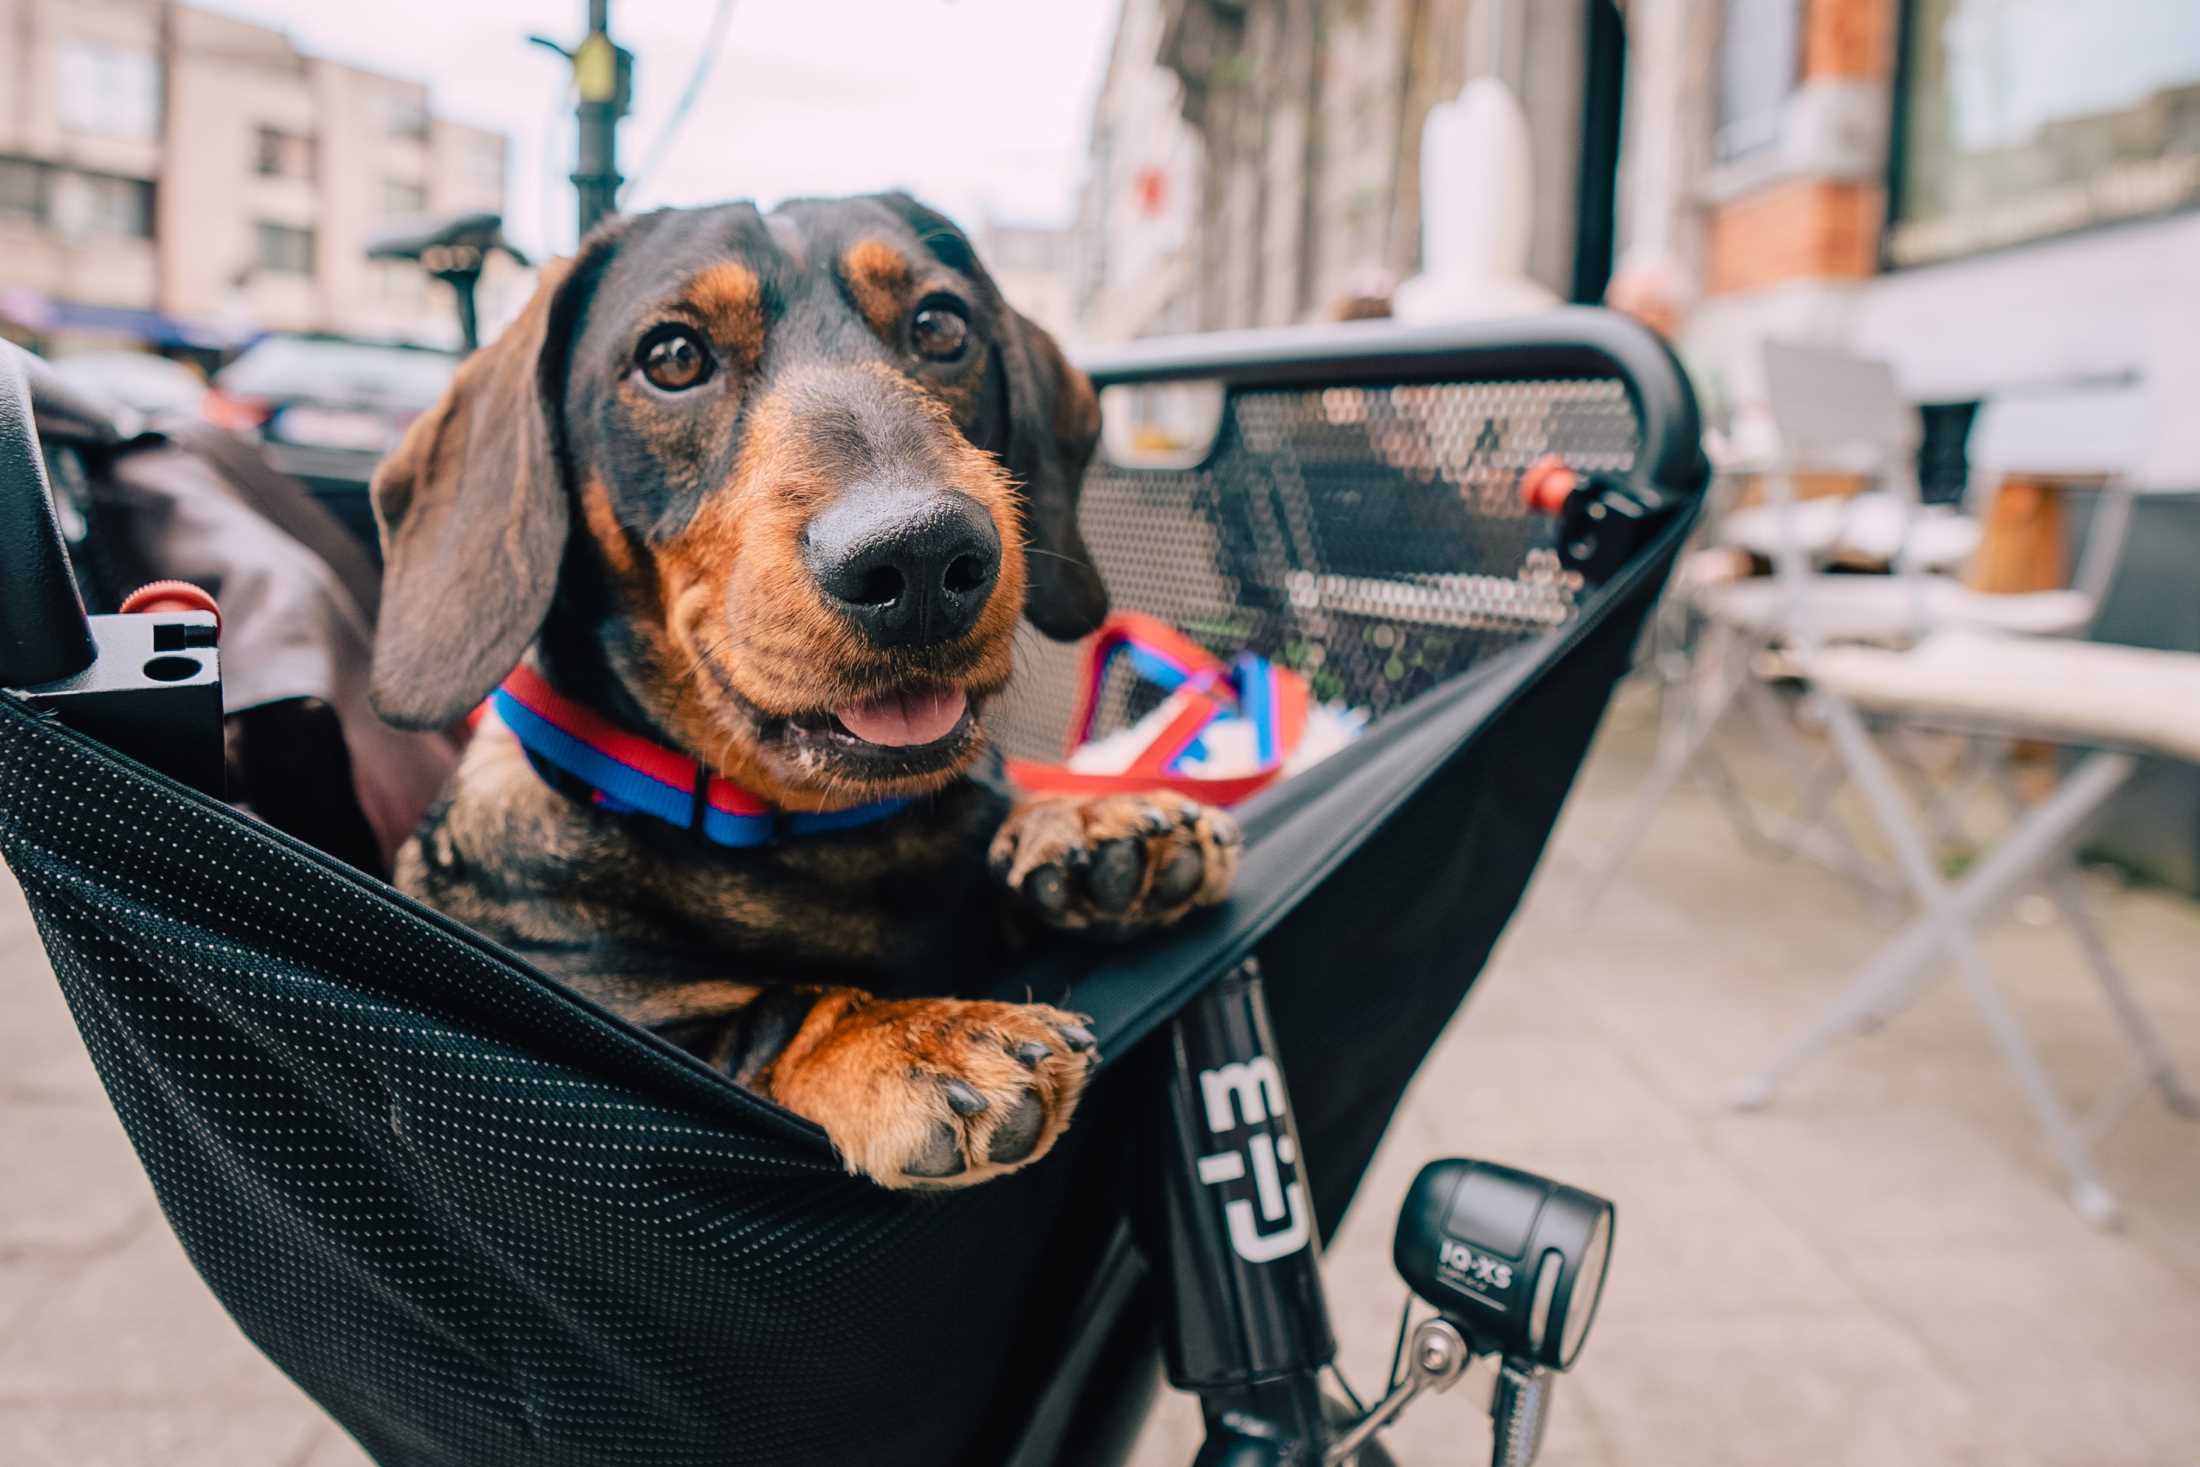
<point x="628" y="774"/>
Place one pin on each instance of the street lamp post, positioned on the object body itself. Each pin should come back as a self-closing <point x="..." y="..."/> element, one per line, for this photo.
<point x="603" y="74"/>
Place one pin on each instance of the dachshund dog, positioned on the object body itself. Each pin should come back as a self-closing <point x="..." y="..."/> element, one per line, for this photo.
<point x="754" y="502"/>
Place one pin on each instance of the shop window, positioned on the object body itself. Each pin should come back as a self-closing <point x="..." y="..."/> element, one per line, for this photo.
<point x="109" y="91"/>
<point x="2021" y="119"/>
<point x="285" y="249"/>
<point x="1760" y="61"/>
<point x="98" y="206"/>
<point x="22" y="188"/>
<point x="280" y="154"/>
<point x="405" y="114"/>
<point x="484" y="167"/>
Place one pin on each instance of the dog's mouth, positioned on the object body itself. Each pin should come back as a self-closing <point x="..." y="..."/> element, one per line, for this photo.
<point x="906" y="718"/>
<point x="906" y="732"/>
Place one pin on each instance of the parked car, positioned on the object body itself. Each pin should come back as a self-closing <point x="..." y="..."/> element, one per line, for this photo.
<point x="327" y="408"/>
<point x="150" y="386"/>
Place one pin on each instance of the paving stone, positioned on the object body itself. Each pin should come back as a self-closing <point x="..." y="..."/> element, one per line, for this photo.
<point x="137" y="1328"/>
<point x="72" y="1185"/>
<point x="68" y="1435"/>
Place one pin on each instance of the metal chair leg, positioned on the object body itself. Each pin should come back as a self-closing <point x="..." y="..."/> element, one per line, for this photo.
<point x="2068" y="894"/>
<point x="1944" y="930"/>
<point x="1948" y="797"/>
<point x="2138" y="1028"/>
<point x="1814" y="830"/>
<point x="1902" y="969"/>
<point x="1673" y="760"/>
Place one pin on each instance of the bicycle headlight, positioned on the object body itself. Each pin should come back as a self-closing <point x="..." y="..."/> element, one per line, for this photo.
<point x="1516" y="1260"/>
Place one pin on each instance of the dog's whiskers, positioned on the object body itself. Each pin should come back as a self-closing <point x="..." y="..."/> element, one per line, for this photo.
<point x="704" y="656"/>
<point x="1031" y="549"/>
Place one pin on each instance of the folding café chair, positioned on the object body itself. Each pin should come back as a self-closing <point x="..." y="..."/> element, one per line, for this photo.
<point x="1843" y="414"/>
<point x="2123" y="705"/>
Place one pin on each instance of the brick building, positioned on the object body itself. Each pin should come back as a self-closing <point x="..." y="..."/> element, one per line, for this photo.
<point x="177" y="178"/>
<point x="1992" y="196"/>
<point x="1996" y="197"/>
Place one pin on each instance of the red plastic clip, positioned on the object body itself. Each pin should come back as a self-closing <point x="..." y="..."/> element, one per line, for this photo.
<point x="1547" y="482"/>
<point x="157" y="596"/>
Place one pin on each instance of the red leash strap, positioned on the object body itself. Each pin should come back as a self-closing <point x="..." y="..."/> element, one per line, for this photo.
<point x="1275" y="700"/>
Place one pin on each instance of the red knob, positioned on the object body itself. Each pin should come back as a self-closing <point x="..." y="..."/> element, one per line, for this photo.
<point x="1547" y="482"/>
<point x="156" y="596"/>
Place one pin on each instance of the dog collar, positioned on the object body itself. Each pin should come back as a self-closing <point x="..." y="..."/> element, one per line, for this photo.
<point x="628" y="774"/>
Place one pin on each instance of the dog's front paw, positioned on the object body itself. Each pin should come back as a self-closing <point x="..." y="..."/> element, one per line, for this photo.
<point x="937" y="1092"/>
<point x="1116" y="864"/>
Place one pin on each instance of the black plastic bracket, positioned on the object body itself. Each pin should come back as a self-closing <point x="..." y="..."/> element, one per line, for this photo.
<point x="147" y="685"/>
<point x="153" y="692"/>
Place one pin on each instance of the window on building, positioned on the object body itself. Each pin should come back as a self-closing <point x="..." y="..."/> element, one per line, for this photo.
<point x="280" y="154"/>
<point x="405" y="114"/>
<point x="484" y="167"/>
<point x="285" y="249"/>
<point x="22" y="188"/>
<point x="2023" y="120"/>
<point x="401" y="196"/>
<point x="110" y="91"/>
<point x="100" y="206"/>
<point x="1760" y="59"/>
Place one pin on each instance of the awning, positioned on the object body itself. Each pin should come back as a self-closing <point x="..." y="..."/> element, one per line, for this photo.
<point x="35" y="311"/>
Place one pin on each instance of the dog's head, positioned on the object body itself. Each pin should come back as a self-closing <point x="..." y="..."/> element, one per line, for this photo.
<point x="782" y="483"/>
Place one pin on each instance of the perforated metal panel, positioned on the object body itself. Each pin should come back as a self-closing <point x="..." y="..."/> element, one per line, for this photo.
<point x="1370" y="537"/>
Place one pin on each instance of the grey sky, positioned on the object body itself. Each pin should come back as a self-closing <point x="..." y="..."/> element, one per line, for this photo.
<point x="980" y="106"/>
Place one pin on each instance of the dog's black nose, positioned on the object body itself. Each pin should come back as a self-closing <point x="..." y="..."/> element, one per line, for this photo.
<point x="912" y="567"/>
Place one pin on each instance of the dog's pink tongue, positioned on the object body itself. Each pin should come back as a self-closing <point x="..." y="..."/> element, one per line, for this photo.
<point x="899" y="720"/>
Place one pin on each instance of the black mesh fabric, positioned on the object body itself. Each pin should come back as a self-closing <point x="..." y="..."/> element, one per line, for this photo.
<point x="484" y="1223"/>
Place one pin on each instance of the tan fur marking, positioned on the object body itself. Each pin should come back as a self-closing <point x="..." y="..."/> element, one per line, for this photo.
<point x="730" y="300"/>
<point x="831" y="1008"/>
<point x="690" y="1001"/>
<point x="868" y="1070"/>
<point x="605" y="529"/>
<point x="878" y="280"/>
<point x="738" y="565"/>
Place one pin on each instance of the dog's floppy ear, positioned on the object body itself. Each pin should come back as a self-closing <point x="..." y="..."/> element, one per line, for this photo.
<point x="1052" y="423"/>
<point x="473" y="513"/>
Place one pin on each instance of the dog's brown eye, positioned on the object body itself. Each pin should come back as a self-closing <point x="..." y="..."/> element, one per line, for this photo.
<point x="939" y="332"/>
<point x="674" y="360"/>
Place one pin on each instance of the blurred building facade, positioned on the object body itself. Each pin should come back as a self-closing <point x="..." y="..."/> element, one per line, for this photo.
<point x="1988" y="193"/>
<point x="1992" y="195"/>
<point x="1031" y="263"/>
<point x="1996" y="197"/>
<point x="182" y="179"/>
<point x="1252" y="163"/>
<point x="1132" y="257"/>
<point x="1258" y="162"/>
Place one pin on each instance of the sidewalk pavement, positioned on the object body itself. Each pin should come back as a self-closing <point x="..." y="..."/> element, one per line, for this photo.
<point x="1879" y="1270"/>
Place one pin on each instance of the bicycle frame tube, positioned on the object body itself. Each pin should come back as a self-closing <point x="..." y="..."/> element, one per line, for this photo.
<point x="1228" y="1215"/>
<point x="44" y="636"/>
